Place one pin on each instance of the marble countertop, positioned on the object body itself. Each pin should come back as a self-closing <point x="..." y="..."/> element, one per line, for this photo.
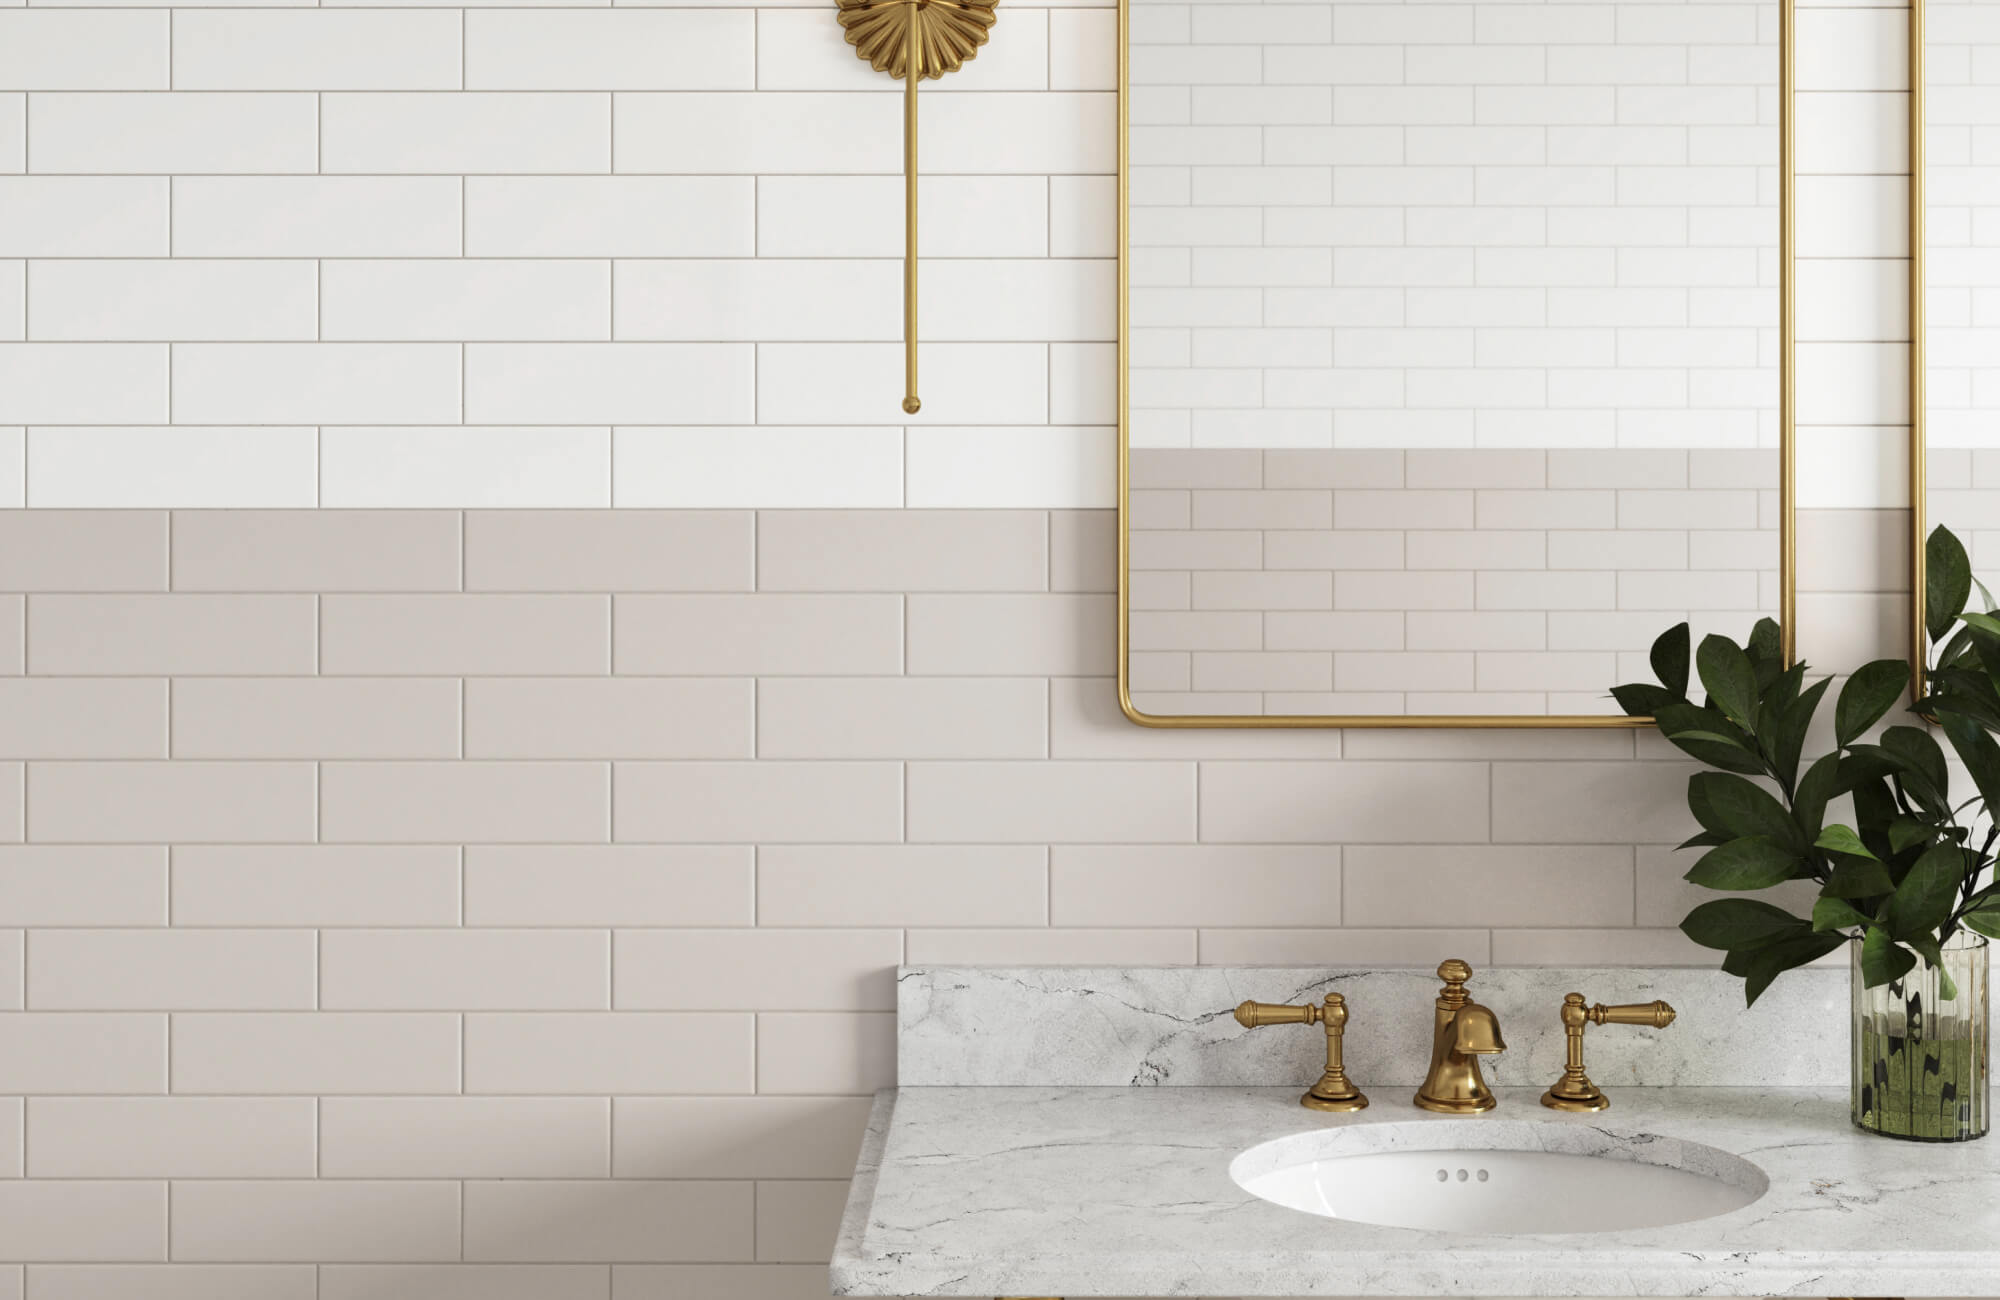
<point x="1120" y="1191"/>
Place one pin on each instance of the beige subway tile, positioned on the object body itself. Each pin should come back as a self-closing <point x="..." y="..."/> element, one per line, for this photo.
<point x="1488" y="885"/>
<point x="1347" y="802"/>
<point x="1565" y="670"/>
<point x="1689" y="590"/>
<point x="756" y="970"/>
<point x="1734" y="467"/>
<point x="1570" y="630"/>
<point x="610" y="550"/>
<point x="1181" y="467"/>
<point x="1203" y="630"/>
<point x="53" y="885"/>
<point x="63" y="1219"/>
<point x="171" y="970"/>
<point x="1429" y="743"/>
<point x="797" y="1221"/>
<point x="1486" y="548"/>
<point x="602" y="1052"/>
<point x="1591" y="803"/>
<point x="1051" y="635"/>
<point x="1483" y="467"/>
<point x="314" y="1052"/>
<point x="92" y="1052"/>
<point x="767" y="803"/>
<point x="1263" y="591"/>
<point x="1610" y="947"/>
<point x="901" y="717"/>
<point x="718" y="1282"/>
<point x="1263" y="670"/>
<point x="1159" y="509"/>
<point x="1665" y="895"/>
<point x="1569" y="508"/>
<point x="173" y="1282"/>
<point x="1342" y="630"/>
<point x="244" y="803"/>
<point x="1476" y="630"/>
<point x="1338" y="549"/>
<point x="83" y="550"/>
<point x="1176" y="549"/>
<point x="182" y="635"/>
<point x="1050" y="947"/>
<point x="1150" y="671"/>
<point x="1617" y="467"/>
<point x="1370" y="947"/>
<point x="13" y="1137"/>
<point x="316" y="1220"/>
<point x="899" y="885"/>
<point x="760" y="635"/>
<point x="56" y="717"/>
<point x="1404" y="591"/>
<point x="824" y="1053"/>
<point x="1624" y="548"/>
<point x="12" y="978"/>
<point x="1333" y="468"/>
<point x="902" y="550"/>
<point x="465" y="1137"/>
<point x="13" y="802"/>
<point x="1687" y="508"/>
<point x="1039" y="803"/>
<point x="1193" y="885"/>
<point x="738" y="1137"/>
<point x="1547" y="591"/>
<point x="315" y="717"/>
<point x="456" y="635"/>
<point x="1840" y="631"/>
<point x="1087" y="723"/>
<point x="465" y="970"/>
<point x="1854" y="550"/>
<point x="1083" y="550"/>
<point x="13" y="635"/>
<point x="1262" y="508"/>
<point x="171" y="1137"/>
<point x="608" y="1221"/>
<point x="1193" y="704"/>
<point x="1748" y="548"/>
<point x="624" y="717"/>
<point x="609" y="885"/>
<point x="464" y="1282"/>
<point x="1394" y="509"/>
<point x="1485" y="703"/>
<point x="316" y="550"/>
<point x="314" y="885"/>
<point x="499" y="803"/>
<point x="1361" y="671"/>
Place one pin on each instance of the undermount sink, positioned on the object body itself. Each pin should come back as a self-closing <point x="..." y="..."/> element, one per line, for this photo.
<point x="1497" y="1176"/>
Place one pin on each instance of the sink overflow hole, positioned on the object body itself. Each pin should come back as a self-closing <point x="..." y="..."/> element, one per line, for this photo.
<point x="1444" y="1175"/>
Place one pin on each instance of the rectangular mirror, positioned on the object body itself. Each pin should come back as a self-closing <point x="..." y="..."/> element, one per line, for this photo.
<point x="1455" y="343"/>
<point x="1956" y="363"/>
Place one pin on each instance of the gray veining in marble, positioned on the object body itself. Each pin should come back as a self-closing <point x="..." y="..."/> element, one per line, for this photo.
<point x="1139" y="1026"/>
<point x="1120" y="1191"/>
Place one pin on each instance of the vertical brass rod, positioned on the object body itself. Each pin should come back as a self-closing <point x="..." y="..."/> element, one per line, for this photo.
<point x="912" y="73"/>
<point x="1788" y="406"/>
<point x="1919" y="373"/>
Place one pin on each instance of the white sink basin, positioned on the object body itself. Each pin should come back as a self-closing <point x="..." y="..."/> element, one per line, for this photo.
<point x="1496" y="1176"/>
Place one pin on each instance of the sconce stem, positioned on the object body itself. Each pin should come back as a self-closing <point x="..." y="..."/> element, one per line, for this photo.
<point x="913" y="71"/>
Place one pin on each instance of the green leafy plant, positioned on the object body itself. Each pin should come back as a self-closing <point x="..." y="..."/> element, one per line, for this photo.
<point x="1909" y="871"/>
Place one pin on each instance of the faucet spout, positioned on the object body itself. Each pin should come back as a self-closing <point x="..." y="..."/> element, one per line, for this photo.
<point x="1463" y="1031"/>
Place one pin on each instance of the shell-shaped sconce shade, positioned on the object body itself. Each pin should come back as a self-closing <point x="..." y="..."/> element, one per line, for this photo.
<point x="948" y="32"/>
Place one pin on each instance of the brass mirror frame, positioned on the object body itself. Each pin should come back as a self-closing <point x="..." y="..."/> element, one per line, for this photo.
<point x="1919" y="371"/>
<point x="1787" y="421"/>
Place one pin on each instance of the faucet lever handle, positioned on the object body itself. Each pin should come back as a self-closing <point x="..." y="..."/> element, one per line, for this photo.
<point x="1656" y="1014"/>
<point x="1334" y="1091"/>
<point x="1250" y="1015"/>
<point x="1574" y="1091"/>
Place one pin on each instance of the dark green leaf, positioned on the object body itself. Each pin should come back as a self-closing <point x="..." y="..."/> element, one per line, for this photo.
<point x="1816" y="789"/>
<point x="1725" y="802"/>
<point x="1977" y="751"/>
<point x="1749" y="863"/>
<point x="1867" y="696"/>
<point x="1932" y="952"/>
<point x="1738" y="963"/>
<point x="1919" y="749"/>
<point x="1705" y="840"/>
<point x="1947" y="581"/>
<point x="1642" y="699"/>
<point x="1830" y="913"/>
<point x="1764" y="644"/>
<point x="1909" y="832"/>
<point x="1881" y="960"/>
<point x="1729" y="923"/>
<point x="1841" y="839"/>
<point x="1708" y="736"/>
<point x="1985" y="922"/>
<point x="1769" y="962"/>
<point x="1670" y="659"/>
<point x="1858" y="878"/>
<point x="1729" y="678"/>
<point x="1923" y="900"/>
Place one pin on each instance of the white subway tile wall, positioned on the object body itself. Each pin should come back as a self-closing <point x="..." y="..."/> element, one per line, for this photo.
<point x="486" y="885"/>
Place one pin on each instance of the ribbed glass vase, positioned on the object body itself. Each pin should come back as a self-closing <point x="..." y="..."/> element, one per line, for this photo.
<point x="1920" y="1058"/>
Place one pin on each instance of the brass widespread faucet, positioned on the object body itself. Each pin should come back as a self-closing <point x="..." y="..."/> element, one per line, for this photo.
<point x="1334" y="1091"/>
<point x="1462" y="1032"/>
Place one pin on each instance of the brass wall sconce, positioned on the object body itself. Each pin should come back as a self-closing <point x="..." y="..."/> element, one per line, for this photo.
<point x="914" y="40"/>
<point x="1334" y="1091"/>
<point x="1574" y="1091"/>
